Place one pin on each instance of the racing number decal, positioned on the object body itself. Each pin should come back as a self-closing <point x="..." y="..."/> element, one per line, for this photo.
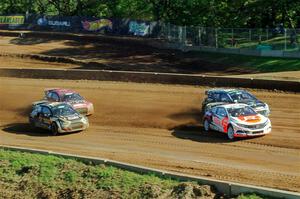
<point x="224" y="123"/>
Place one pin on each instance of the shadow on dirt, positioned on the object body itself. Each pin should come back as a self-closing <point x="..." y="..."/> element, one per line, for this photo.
<point x="196" y="133"/>
<point x="27" y="129"/>
<point x="192" y="128"/>
<point x="30" y="41"/>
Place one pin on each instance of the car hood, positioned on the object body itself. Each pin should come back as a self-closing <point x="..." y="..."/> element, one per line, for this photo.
<point x="250" y="119"/>
<point x="70" y="117"/>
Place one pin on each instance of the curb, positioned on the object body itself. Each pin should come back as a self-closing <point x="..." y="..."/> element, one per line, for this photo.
<point x="151" y="77"/>
<point x="225" y="187"/>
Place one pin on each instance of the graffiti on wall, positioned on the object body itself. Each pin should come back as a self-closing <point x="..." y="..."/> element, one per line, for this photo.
<point x="97" y="25"/>
<point x="139" y="29"/>
<point x="45" y="22"/>
<point x="12" y="20"/>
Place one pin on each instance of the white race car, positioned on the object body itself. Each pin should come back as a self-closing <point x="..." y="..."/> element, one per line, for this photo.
<point x="237" y="120"/>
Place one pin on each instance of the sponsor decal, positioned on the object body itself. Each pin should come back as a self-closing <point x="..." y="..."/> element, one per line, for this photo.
<point x="250" y="119"/>
<point x="97" y="25"/>
<point x="12" y="20"/>
<point x="44" y="22"/>
<point x="225" y="124"/>
<point x="139" y="29"/>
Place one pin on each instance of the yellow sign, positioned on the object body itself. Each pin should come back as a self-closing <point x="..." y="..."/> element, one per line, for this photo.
<point x="16" y="20"/>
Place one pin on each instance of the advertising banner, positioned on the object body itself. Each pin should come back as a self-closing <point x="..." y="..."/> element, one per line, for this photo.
<point x="12" y="20"/>
<point x="97" y="25"/>
<point x="139" y="29"/>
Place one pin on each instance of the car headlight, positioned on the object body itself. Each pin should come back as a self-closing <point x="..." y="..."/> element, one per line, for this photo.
<point x="84" y="119"/>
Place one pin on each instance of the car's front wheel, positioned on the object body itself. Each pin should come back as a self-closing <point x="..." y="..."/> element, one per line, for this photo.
<point x="206" y="125"/>
<point x="54" y="128"/>
<point x="230" y="133"/>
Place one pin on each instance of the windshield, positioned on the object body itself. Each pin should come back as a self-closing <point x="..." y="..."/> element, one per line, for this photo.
<point x="63" y="110"/>
<point x="72" y="97"/>
<point x="241" y="111"/>
<point x="241" y="96"/>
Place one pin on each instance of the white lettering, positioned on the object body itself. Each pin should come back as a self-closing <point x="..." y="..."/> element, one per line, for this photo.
<point x="59" y="23"/>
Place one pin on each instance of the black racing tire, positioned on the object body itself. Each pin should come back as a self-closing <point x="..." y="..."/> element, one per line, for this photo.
<point x="230" y="133"/>
<point x="206" y="125"/>
<point x="54" y="129"/>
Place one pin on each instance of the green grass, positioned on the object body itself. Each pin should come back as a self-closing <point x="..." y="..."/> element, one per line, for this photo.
<point x="258" y="64"/>
<point x="26" y="175"/>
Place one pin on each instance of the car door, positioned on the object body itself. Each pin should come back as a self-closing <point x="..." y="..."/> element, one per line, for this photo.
<point x="45" y="117"/>
<point x="220" y="119"/>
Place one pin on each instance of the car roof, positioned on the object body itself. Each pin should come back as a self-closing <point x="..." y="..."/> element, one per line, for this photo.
<point x="222" y="90"/>
<point x="60" y="91"/>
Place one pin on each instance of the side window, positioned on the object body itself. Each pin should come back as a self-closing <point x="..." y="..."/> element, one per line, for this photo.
<point x="48" y="96"/>
<point x="46" y="111"/>
<point x="216" y="97"/>
<point x="224" y="98"/>
<point x="221" y="112"/>
<point x="214" y="110"/>
<point x="55" y="97"/>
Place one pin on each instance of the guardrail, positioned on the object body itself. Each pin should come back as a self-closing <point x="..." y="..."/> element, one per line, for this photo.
<point x="225" y="187"/>
<point x="151" y="77"/>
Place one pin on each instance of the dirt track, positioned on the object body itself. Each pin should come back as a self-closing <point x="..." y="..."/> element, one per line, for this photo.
<point x="158" y="126"/>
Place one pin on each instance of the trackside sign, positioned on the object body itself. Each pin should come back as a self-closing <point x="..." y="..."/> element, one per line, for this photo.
<point x="12" y="20"/>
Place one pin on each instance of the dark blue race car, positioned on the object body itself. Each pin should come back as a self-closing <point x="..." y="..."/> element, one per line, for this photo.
<point x="227" y="96"/>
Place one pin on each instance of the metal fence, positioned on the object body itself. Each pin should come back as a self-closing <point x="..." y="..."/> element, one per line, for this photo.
<point x="234" y="38"/>
<point x="279" y="38"/>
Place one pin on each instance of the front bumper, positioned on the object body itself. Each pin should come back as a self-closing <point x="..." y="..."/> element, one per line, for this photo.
<point x="73" y="127"/>
<point x="245" y="132"/>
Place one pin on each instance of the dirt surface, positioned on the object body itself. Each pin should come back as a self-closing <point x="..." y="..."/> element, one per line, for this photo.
<point x="290" y="76"/>
<point x="112" y="55"/>
<point x="17" y="52"/>
<point x="159" y="126"/>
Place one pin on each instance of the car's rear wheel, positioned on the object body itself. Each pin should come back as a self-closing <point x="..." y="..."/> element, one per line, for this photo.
<point x="54" y="128"/>
<point x="206" y="125"/>
<point x="230" y="133"/>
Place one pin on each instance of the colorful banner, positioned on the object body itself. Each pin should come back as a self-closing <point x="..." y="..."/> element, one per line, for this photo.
<point x="97" y="25"/>
<point x="139" y="29"/>
<point x="12" y="20"/>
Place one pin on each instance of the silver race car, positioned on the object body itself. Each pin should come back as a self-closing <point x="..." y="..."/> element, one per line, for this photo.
<point x="236" y="120"/>
<point x="58" y="117"/>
